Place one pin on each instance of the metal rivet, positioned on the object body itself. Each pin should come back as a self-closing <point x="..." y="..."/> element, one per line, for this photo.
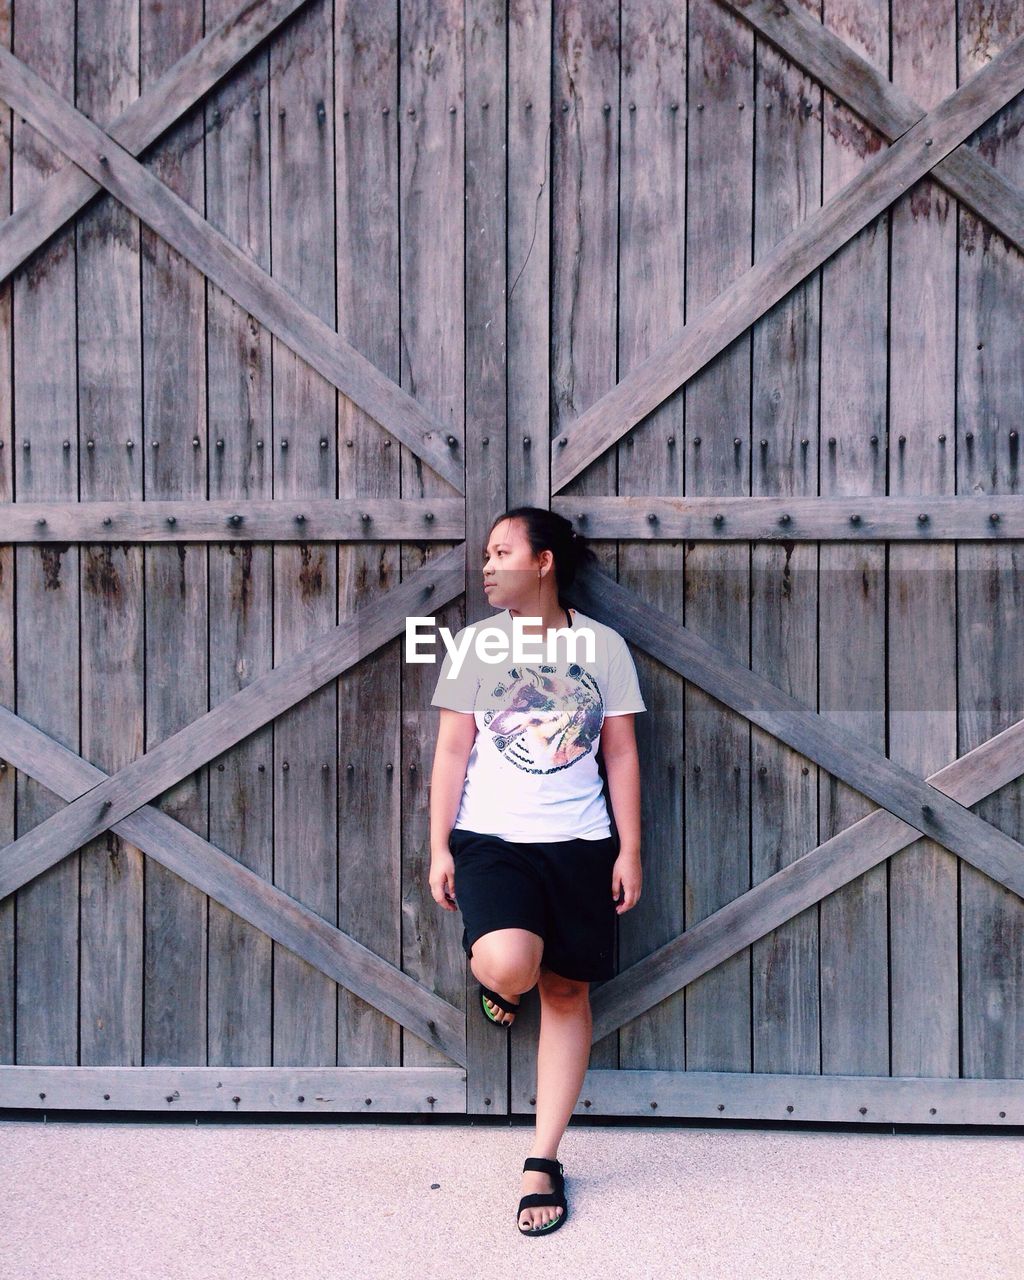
<point x="67" y="444"/>
<point x="323" y="442"/>
<point x="220" y="444"/>
<point x="300" y="519"/>
<point x="284" y="444"/>
<point x="286" y="766"/>
<point x="452" y="441"/>
<point x="969" y="436"/>
<point x="429" y="516"/>
<point x="365" y="517"/>
<point x="171" y="520"/>
<point x="321" y="112"/>
<point x="41" y="522"/>
<point x="156" y="444"/>
<point x="902" y="439"/>
<point x="90" y="444"/>
<point x="719" y="518"/>
<point x="195" y="442"/>
<point x="855" y="518"/>
<point x="942" y="438"/>
<point x="562" y="441"/>
<point x="652" y="518"/>
<point x="259" y="444"/>
<point x="129" y="444"/>
<point x="922" y="518"/>
<point x="234" y="519"/>
<point x="785" y="518"/>
<point x="107" y="520"/>
<point x="737" y="441"/>
<point x="696" y="441"/>
<point x="994" y="518"/>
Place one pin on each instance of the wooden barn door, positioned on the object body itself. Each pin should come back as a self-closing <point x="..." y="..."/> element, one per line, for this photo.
<point x="294" y="297"/>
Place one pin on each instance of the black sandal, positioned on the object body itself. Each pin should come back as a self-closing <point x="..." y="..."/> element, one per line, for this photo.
<point x="505" y="1005"/>
<point x="537" y="1199"/>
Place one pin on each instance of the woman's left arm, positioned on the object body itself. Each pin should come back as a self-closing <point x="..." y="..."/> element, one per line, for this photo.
<point x="622" y="766"/>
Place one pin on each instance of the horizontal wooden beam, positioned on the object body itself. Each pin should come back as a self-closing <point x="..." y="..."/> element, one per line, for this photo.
<point x="428" y="589"/>
<point x="171" y="1090"/>
<point x="217" y="520"/>
<point x="926" y="809"/>
<point x="881" y="181"/>
<point x="928" y="518"/>
<point x="163" y="104"/>
<point x="795" y="887"/>
<point x="212" y="253"/>
<point x="741" y="1095"/>
<point x="247" y="894"/>
<point x="865" y="89"/>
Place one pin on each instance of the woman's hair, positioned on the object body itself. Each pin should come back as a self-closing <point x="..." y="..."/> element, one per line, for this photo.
<point x="548" y="531"/>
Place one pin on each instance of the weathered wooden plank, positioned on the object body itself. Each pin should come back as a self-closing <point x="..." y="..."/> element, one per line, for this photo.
<point x="369" y="749"/>
<point x="46" y="578"/>
<point x="853" y="947"/>
<point x="174" y="414"/>
<point x="163" y="104"/>
<point x="112" y="613"/>
<point x="799" y="885"/>
<point x="922" y="653"/>
<point x="889" y="108"/>
<point x="241" y="518"/>
<point x="784" y="588"/>
<point x="248" y="896"/>
<point x="240" y="964"/>
<point x="7" y="776"/>
<point x="214" y="255"/>
<point x="720" y="94"/>
<point x="801" y="518"/>
<point x="881" y="181"/>
<point x="305" y="576"/>
<point x="431" y="178"/>
<point x="652" y="204"/>
<point x="852" y="1099"/>
<point x="487" y="214"/>
<point x="990" y="689"/>
<point x="218" y="730"/>
<point x="306" y="1091"/>
<point x="853" y="761"/>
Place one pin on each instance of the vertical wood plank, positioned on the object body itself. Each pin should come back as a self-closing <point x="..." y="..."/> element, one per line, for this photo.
<point x="720" y="154"/>
<point x="652" y="266"/>
<point x="305" y="574"/>
<point x="46" y="577"/>
<point x="784" y="588"/>
<point x="7" y="779"/>
<point x="369" y="748"/>
<point x="486" y="268"/>
<point x="241" y="575"/>
<point x="174" y="416"/>
<point x="854" y="944"/>
<point x="433" y="337"/>
<point x="113" y="694"/>
<point x="922" y="585"/>
<point x="531" y="118"/>
<point x="990" y="375"/>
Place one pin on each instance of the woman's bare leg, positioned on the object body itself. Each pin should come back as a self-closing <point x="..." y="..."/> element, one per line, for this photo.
<point x="563" y="1055"/>
<point x="507" y="961"/>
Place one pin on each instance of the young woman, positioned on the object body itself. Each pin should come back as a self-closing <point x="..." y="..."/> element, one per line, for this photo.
<point x="519" y="827"/>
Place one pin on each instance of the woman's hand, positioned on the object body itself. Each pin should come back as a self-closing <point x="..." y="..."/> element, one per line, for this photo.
<point x="442" y="880"/>
<point x="627" y="877"/>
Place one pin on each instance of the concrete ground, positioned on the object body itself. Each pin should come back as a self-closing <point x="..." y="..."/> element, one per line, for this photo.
<point x="84" y="1200"/>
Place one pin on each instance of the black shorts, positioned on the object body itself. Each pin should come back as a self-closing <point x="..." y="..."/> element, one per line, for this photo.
<point x="561" y="890"/>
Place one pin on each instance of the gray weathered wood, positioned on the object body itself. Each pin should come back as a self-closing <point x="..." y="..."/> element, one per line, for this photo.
<point x="882" y="180"/>
<point x="990" y="686"/>
<point x="242" y="518"/>
<point x="163" y="104"/>
<point x="889" y="108"/>
<point x="208" y="736"/>
<point x="921" y="686"/>
<point x="305" y="1091"/>
<point x="246" y="894"/>
<point x="112" y="615"/>
<point x="860" y="517"/>
<point x="652" y="203"/>
<point x="241" y="613"/>
<point x="47" y="585"/>
<point x="175" y="221"/>
<point x="784" y="588"/>
<point x="851" y="759"/>
<point x="798" y="885"/>
<point x="7" y="554"/>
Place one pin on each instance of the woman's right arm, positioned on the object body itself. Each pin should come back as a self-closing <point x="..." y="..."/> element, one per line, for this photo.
<point x="455" y="738"/>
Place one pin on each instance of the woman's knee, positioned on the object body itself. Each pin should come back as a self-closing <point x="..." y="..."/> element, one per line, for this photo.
<point x="554" y="987"/>
<point x="508" y="959"/>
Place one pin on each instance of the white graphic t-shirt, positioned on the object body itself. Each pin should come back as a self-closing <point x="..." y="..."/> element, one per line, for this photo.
<point x="532" y="774"/>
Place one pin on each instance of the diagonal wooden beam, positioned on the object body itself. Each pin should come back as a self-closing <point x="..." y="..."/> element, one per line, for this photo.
<point x="862" y="87"/>
<point x="883" y="179"/>
<point x="926" y="809"/>
<point x="430" y="588"/>
<point x="769" y="904"/>
<point x="164" y="103"/>
<point x="247" y="894"/>
<point x="212" y="253"/>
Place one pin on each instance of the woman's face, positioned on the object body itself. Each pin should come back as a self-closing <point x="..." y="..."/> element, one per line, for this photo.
<point x="510" y="568"/>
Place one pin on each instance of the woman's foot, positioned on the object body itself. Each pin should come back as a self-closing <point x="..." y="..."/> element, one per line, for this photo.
<point x="539" y="1214"/>
<point x="499" y="1014"/>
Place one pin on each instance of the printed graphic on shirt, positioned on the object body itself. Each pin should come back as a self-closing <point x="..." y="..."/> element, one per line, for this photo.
<point x="544" y="719"/>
